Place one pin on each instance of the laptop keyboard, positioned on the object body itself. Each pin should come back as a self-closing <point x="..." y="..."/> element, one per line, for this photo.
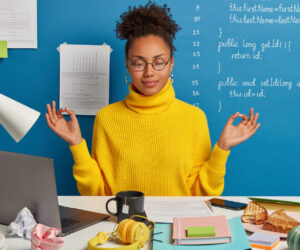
<point x="66" y="222"/>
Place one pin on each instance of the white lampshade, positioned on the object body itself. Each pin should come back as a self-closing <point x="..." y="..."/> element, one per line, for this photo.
<point x="16" y="118"/>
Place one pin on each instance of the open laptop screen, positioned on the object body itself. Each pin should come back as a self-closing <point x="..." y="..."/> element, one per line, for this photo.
<point x="29" y="181"/>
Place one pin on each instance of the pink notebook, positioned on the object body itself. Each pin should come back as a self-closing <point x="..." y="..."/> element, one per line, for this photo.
<point x="180" y="225"/>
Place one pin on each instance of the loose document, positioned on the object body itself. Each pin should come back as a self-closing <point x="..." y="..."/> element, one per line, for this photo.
<point x="18" y="23"/>
<point x="84" y="77"/>
<point x="165" y="209"/>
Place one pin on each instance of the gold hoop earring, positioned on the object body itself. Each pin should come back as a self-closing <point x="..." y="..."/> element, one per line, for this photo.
<point x="126" y="78"/>
<point x="171" y="77"/>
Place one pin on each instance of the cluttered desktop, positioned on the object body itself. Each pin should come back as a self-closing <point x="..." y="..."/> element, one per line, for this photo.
<point x="170" y="222"/>
<point x="228" y="60"/>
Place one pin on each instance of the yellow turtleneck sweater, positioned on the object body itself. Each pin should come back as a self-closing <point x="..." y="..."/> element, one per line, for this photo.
<point x="156" y="144"/>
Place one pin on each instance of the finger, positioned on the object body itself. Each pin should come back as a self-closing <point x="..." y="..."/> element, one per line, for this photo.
<point x="248" y="135"/>
<point x="245" y="118"/>
<point x="49" y="123"/>
<point x="251" y="116"/>
<point x="255" y="119"/>
<point x="232" y="118"/>
<point x="59" y="112"/>
<point x="243" y="121"/>
<point x="252" y="124"/>
<point x="71" y="114"/>
<point x="54" y="111"/>
<point x="252" y="132"/>
<point x="50" y="115"/>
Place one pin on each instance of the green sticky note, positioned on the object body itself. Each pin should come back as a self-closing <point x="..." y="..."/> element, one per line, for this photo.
<point x="3" y="49"/>
<point x="205" y="231"/>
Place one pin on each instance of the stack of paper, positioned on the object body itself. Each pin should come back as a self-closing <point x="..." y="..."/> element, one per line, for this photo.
<point x="163" y="236"/>
<point x="219" y="223"/>
<point x="266" y="241"/>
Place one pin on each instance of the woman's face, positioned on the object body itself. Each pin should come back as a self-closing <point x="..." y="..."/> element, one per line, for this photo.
<point x="149" y="49"/>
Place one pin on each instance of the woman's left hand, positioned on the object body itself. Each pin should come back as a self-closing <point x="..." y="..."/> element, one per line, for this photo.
<point x="234" y="135"/>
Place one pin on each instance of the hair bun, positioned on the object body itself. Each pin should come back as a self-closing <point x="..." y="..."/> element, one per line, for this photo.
<point x="137" y="21"/>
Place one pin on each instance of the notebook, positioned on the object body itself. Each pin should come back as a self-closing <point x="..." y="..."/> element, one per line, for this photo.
<point x="29" y="181"/>
<point x="219" y="222"/>
<point x="163" y="233"/>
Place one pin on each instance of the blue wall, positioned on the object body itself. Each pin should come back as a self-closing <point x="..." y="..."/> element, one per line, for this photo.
<point x="267" y="164"/>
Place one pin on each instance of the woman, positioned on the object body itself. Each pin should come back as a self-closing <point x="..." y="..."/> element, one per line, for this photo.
<point x="151" y="141"/>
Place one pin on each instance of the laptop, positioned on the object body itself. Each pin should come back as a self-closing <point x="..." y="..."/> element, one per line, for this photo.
<point x="29" y="181"/>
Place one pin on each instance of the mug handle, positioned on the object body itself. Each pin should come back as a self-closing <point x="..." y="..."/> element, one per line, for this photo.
<point x="111" y="199"/>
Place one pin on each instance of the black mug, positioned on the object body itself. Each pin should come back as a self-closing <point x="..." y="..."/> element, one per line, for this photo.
<point x="128" y="203"/>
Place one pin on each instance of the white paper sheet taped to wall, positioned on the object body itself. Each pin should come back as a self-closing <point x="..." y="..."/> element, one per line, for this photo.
<point x="84" y="77"/>
<point x="18" y="23"/>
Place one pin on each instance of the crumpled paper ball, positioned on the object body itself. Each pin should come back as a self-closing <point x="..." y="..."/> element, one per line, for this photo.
<point x="22" y="225"/>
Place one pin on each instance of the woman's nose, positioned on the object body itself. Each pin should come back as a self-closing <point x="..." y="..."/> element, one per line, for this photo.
<point x="149" y="71"/>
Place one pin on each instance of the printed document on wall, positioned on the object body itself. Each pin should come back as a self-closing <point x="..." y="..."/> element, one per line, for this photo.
<point x="84" y="78"/>
<point x="18" y="23"/>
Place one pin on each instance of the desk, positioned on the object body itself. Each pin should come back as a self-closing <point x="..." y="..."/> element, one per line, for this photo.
<point x="78" y="240"/>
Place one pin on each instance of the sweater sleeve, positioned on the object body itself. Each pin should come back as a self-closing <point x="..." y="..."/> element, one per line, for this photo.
<point x="86" y="169"/>
<point x="207" y="175"/>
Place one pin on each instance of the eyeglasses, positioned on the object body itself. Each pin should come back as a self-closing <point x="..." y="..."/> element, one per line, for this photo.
<point x="140" y="65"/>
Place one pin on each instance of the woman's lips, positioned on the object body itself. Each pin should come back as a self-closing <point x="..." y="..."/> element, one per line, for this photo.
<point x="150" y="83"/>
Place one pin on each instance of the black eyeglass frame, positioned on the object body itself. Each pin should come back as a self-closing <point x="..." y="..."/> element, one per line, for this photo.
<point x="152" y="64"/>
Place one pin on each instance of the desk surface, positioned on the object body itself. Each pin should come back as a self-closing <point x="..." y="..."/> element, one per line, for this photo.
<point x="78" y="240"/>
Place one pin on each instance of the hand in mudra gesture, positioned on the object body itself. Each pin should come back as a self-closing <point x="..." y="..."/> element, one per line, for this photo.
<point x="67" y="130"/>
<point x="234" y="135"/>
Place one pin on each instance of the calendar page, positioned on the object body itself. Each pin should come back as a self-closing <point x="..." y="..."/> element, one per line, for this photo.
<point x="84" y="78"/>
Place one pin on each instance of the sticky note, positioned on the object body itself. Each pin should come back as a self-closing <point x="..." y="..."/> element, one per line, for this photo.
<point x="266" y="239"/>
<point x="204" y="231"/>
<point x="3" y="49"/>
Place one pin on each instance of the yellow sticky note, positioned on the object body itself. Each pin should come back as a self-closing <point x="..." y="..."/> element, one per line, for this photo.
<point x="3" y="49"/>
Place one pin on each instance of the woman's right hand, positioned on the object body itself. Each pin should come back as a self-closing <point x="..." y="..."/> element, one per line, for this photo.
<point x="67" y="130"/>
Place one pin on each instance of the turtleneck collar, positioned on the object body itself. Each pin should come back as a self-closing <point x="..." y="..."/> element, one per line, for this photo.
<point x="157" y="103"/>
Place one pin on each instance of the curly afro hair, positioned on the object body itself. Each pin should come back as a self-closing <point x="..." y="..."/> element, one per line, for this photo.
<point x="150" y="19"/>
